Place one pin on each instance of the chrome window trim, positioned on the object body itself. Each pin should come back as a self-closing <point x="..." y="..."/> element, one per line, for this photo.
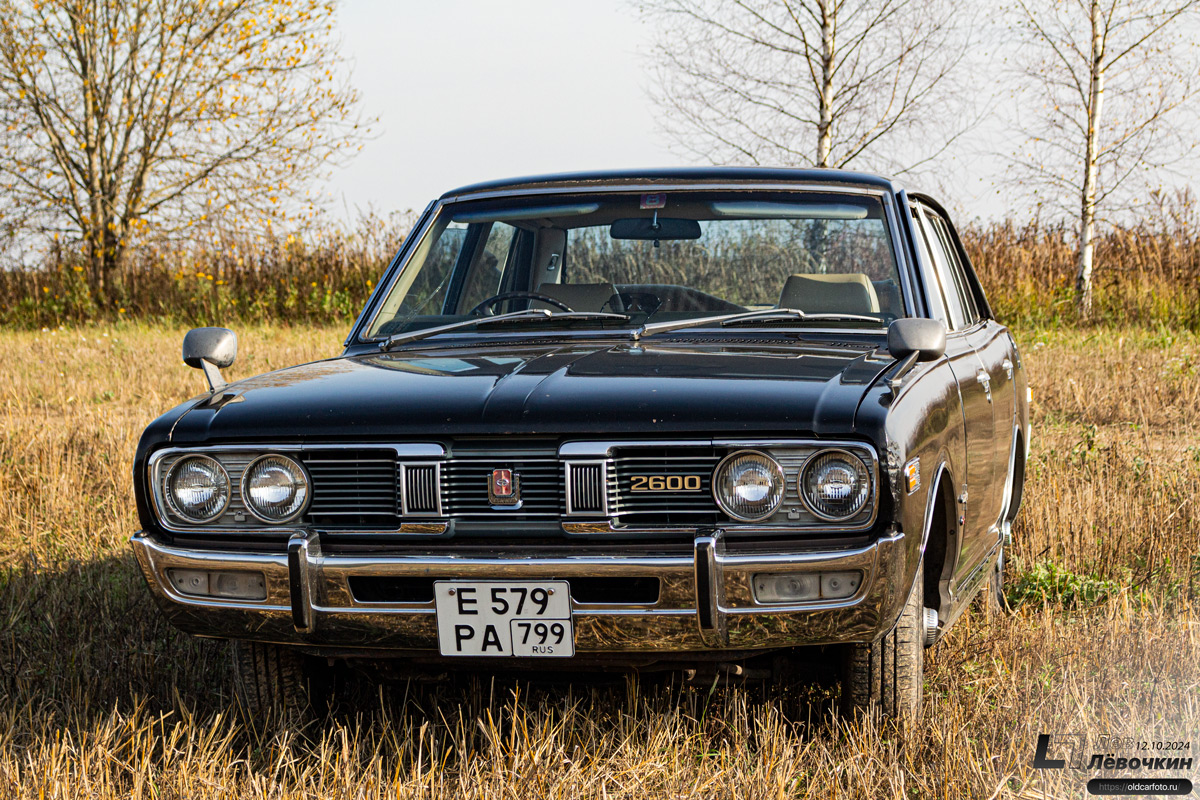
<point x="399" y="264"/>
<point x="402" y="255"/>
<point x="904" y="267"/>
<point x="402" y="489"/>
<point x="569" y="486"/>
<point x="253" y="512"/>
<point x="749" y="185"/>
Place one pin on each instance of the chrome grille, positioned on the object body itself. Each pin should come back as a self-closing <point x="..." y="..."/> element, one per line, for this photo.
<point x="465" y="487"/>
<point x="668" y="507"/>
<point x="587" y="488"/>
<point x="352" y="488"/>
<point x="420" y="490"/>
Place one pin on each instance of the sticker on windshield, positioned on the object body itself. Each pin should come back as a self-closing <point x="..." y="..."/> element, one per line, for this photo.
<point x="654" y="201"/>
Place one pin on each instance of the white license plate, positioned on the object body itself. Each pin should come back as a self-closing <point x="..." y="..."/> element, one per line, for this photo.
<point x="504" y="618"/>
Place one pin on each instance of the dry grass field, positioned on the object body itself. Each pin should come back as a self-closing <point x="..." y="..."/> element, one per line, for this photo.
<point x="99" y="697"/>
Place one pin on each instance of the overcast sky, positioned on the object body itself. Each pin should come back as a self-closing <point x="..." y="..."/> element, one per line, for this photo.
<point x="468" y="90"/>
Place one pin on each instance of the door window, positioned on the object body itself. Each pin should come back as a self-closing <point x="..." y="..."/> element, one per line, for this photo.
<point x="960" y="305"/>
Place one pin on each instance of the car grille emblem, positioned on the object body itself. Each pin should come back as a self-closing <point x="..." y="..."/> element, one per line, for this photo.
<point x="504" y="488"/>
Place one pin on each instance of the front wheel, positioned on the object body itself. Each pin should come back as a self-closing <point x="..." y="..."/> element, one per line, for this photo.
<point x="887" y="676"/>
<point x="271" y="678"/>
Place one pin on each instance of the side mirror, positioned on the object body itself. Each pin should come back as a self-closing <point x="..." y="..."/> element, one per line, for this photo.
<point x="210" y="349"/>
<point x="924" y="337"/>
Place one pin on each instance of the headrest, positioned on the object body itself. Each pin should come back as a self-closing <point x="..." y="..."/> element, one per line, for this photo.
<point x="846" y="293"/>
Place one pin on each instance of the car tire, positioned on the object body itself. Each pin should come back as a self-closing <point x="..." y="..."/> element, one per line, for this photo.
<point x="886" y="677"/>
<point x="271" y="679"/>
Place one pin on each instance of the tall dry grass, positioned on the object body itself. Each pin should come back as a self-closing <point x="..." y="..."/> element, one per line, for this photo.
<point x="1145" y="274"/>
<point x="99" y="697"/>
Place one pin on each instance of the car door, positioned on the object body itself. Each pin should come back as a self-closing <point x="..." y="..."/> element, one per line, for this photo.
<point x="995" y="350"/>
<point x="964" y="327"/>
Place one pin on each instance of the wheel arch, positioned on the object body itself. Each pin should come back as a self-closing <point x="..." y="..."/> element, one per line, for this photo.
<point x="939" y="541"/>
<point x="1016" y="477"/>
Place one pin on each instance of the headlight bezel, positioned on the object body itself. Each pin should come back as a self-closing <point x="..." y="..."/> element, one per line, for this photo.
<point x="244" y="493"/>
<point x="869" y="496"/>
<point x="773" y="466"/>
<point x="168" y="494"/>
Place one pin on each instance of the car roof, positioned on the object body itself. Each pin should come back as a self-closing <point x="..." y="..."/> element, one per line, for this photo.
<point x="675" y="175"/>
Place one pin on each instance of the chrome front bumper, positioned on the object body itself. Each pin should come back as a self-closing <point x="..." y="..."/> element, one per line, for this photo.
<point x="706" y="600"/>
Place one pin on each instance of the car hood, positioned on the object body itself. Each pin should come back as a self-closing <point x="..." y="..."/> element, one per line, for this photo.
<point x="575" y="388"/>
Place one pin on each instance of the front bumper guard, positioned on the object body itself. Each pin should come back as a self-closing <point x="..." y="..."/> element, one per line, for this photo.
<point x="706" y="601"/>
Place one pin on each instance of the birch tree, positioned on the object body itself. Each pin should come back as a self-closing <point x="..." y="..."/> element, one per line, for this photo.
<point x="120" y="117"/>
<point x="1111" y="85"/>
<point x="825" y="83"/>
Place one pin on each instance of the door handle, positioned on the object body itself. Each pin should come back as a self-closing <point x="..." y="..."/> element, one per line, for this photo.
<point x="1008" y="367"/>
<point x="985" y="381"/>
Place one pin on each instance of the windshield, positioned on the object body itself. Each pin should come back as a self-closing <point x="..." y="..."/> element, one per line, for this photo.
<point x="650" y="257"/>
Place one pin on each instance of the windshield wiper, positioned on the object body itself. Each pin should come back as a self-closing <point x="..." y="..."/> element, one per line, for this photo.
<point x="529" y="315"/>
<point x="784" y="314"/>
<point x="745" y="317"/>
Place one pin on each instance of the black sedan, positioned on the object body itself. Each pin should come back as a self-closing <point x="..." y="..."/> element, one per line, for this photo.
<point x="676" y="419"/>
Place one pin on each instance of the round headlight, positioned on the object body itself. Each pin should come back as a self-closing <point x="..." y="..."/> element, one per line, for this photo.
<point x="748" y="485"/>
<point x="835" y="485"/>
<point x="197" y="489"/>
<point x="274" y="488"/>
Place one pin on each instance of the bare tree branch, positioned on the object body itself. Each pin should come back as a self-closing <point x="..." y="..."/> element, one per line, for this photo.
<point x="1114" y="89"/>
<point x="811" y="82"/>
<point x="136" y="117"/>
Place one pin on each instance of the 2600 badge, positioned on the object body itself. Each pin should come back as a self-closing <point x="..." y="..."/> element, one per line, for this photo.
<point x="665" y="483"/>
<point x="504" y="618"/>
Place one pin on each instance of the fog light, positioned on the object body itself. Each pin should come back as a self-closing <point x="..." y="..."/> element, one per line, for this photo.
<point x="838" y="585"/>
<point x="787" y="587"/>
<point x="189" y="581"/>
<point x="235" y="585"/>
<point x="796" y="587"/>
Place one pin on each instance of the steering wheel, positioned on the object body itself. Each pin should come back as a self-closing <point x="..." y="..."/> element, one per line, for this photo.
<point x="640" y="301"/>
<point x="484" y="309"/>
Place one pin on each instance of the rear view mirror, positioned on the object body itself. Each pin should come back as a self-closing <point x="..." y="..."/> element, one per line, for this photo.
<point x="655" y="228"/>
<point x="924" y="337"/>
<point x="211" y="350"/>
